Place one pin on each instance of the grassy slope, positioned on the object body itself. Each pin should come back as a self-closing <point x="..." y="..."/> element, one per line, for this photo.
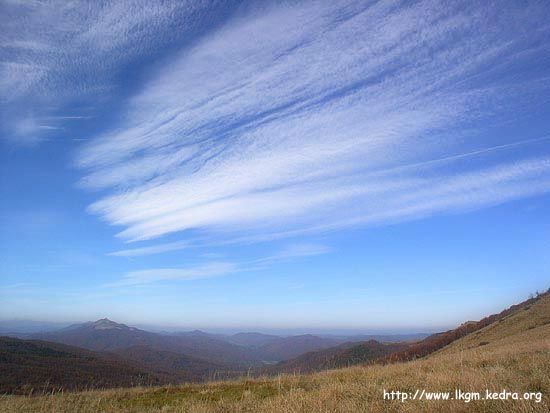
<point x="512" y="354"/>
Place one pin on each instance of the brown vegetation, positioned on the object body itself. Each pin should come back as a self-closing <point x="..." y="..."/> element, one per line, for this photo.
<point x="345" y="355"/>
<point x="516" y="357"/>
<point x="440" y="340"/>
<point x="28" y="366"/>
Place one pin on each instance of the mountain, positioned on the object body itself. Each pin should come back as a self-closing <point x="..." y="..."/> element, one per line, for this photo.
<point x="437" y="341"/>
<point x="174" y="367"/>
<point x="510" y="353"/>
<point x="106" y="335"/>
<point x="524" y="325"/>
<point x="285" y="348"/>
<point x="383" y="338"/>
<point x="349" y="354"/>
<point x="238" y="351"/>
<point x="199" y="333"/>
<point x="24" y="327"/>
<point x="344" y="355"/>
<point x="252" y="339"/>
<point x="39" y="366"/>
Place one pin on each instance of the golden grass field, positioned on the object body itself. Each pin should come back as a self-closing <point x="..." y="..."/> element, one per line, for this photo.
<point x="513" y="354"/>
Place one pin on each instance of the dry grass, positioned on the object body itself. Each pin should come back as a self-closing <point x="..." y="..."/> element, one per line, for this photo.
<point x="513" y="355"/>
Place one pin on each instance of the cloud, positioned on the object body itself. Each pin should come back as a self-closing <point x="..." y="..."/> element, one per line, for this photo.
<point x="291" y="118"/>
<point x="302" y="117"/>
<point x="53" y="54"/>
<point x="297" y="250"/>
<point x="153" y="249"/>
<point x="209" y="270"/>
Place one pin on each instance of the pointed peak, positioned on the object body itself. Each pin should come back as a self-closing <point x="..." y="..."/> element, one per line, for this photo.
<point x="104" y="321"/>
<point x="106" y="324"/>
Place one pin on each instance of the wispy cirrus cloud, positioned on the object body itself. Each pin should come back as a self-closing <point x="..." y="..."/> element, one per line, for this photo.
<point x="216" y="268"/>
<point x="288" y="118"/>
<point x="151" y="250"/>
<point x="295" y="251"/>
<point x="300" y="118"/>
<point x="56" y="53"/>
<point x="208" y="270"/>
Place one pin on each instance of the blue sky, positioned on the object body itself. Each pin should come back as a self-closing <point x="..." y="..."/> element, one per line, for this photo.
<point x="309" y="165"/>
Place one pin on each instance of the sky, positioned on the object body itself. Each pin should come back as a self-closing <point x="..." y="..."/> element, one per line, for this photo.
<point x="360" y="165"/>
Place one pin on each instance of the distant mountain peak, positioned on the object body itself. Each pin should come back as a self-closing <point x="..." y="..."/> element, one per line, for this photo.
<point x="106" y="324"/>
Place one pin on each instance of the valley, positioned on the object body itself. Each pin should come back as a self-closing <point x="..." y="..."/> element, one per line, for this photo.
<point x="508" y="350"/>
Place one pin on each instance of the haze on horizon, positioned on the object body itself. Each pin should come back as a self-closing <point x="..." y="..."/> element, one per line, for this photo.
<point x="350" y="165"/>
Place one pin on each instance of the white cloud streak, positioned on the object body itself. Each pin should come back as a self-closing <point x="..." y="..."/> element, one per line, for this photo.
<point x="55" y="53"/>
<point x="151" y="250"/>
<point x="299" y="117"/>
<point x="295" y="251"/>
<point x="209" y="270"/>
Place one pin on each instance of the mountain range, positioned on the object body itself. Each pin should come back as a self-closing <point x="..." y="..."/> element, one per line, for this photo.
<point x="106" y="335"/>
<point x="103" y="354"/>
<point x="238" y="351"/>
<point x="506" y="353"/>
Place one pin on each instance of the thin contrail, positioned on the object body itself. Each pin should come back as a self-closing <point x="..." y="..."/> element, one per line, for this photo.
<point x="468" y="154"/>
